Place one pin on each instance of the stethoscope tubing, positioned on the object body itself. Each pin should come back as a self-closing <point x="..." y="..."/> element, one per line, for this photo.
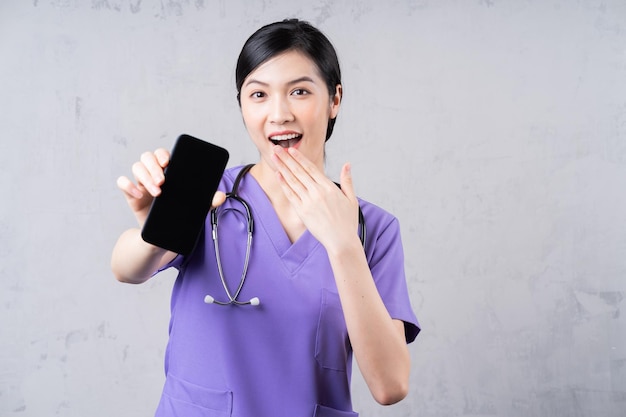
<point x="232" y="297"/>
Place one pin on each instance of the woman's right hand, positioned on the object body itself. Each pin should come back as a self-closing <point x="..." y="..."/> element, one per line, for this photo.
<point x="149" y="176"/>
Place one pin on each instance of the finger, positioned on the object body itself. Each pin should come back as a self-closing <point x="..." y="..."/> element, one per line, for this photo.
<point x="129" y="188"/>
<point x="287" y="169"/>
<point x="307" y="166"/>
<point x="291" y="195"/>
<point x="347" y="185"/>
<point x="145" y="179"/>
<point x="218" y="199"/>
<point x="291" y="164"/>
<point x="163" y="157"/>
<point x="154" y="168"/>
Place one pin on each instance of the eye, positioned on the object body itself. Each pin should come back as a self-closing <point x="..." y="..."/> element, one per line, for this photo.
<point x="299" y="92"/>
<point x="257" y="94"/>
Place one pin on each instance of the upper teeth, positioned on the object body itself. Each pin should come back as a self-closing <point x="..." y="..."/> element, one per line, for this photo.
<point x="285" y="137"/>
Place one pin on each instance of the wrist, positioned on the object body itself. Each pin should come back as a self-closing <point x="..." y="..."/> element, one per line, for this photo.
<point x="348" y="246"/>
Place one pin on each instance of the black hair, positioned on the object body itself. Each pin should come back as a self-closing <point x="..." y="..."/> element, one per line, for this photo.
<point x="290" y="34"/>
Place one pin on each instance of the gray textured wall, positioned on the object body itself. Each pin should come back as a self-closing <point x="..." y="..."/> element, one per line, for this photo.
<point x="495" y="130"/>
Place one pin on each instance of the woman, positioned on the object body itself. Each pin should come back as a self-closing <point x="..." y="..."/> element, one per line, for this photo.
<point x="323" y="297"/>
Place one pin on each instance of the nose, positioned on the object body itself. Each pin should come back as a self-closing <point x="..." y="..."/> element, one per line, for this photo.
<point x="280" y="112"/>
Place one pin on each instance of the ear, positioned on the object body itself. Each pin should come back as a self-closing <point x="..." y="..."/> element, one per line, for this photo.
<point x="335" y="102"/>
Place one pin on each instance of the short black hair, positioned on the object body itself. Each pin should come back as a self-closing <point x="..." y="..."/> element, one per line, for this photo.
<point x="290" y="34"/>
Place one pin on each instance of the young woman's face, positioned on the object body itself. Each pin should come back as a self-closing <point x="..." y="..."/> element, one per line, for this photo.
<point x="285" y="101"/>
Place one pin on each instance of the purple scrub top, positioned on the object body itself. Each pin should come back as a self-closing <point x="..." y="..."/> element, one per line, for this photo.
<point x="289" y="356"/>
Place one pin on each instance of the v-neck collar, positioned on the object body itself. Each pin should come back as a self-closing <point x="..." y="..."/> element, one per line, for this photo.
<point x="265" y="217"/>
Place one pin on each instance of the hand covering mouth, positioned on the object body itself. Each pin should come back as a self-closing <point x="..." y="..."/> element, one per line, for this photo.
<point x="286" y="141"/>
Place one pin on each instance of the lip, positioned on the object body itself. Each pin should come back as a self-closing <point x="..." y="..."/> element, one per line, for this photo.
<point x="285" y="143"/>
<point x="282" y="133"/>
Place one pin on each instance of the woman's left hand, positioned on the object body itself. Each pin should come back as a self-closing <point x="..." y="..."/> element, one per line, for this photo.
<point x="329" y="213"/>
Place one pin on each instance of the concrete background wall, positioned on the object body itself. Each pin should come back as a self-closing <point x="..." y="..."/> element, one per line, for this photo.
<point x="495" y="130"/>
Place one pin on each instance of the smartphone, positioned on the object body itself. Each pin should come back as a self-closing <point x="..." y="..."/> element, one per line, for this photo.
<point x="178" y="214"/>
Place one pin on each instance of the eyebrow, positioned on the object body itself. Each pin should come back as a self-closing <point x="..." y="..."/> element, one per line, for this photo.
<point x="296" y="81"/>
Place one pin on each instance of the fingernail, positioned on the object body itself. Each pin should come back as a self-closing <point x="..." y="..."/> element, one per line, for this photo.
<point x="163" y="161"/>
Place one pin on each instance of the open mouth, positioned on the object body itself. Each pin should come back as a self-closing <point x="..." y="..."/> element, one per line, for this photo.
<point x="286" y="141"/>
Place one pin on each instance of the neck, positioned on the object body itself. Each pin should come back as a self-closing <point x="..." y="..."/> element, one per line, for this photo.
<point x="268" y="180"/>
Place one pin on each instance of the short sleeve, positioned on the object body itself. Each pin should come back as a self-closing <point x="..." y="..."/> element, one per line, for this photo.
<point x="177" y="262"/>
<point x="386" y="261"/>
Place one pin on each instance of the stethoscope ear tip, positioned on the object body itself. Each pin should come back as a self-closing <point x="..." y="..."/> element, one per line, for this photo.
<point x="208" y="299"/>
<point x="255" y="301"/>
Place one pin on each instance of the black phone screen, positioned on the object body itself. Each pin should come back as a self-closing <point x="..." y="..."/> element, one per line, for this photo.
<point x="178" y="214"/>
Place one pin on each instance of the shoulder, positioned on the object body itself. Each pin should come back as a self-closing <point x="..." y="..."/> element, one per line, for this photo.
<point x="376" y="217"/>
<point x="229" y="176"/>
<point x="231" y="173"/>
<point x="383" y="235"/>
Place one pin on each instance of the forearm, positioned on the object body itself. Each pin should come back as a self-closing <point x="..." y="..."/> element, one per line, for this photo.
<point x="377" y="340"/>
<point x="134" y="261"/>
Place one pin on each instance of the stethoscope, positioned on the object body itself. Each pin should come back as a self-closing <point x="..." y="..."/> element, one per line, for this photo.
<point x="215" y="214"/>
